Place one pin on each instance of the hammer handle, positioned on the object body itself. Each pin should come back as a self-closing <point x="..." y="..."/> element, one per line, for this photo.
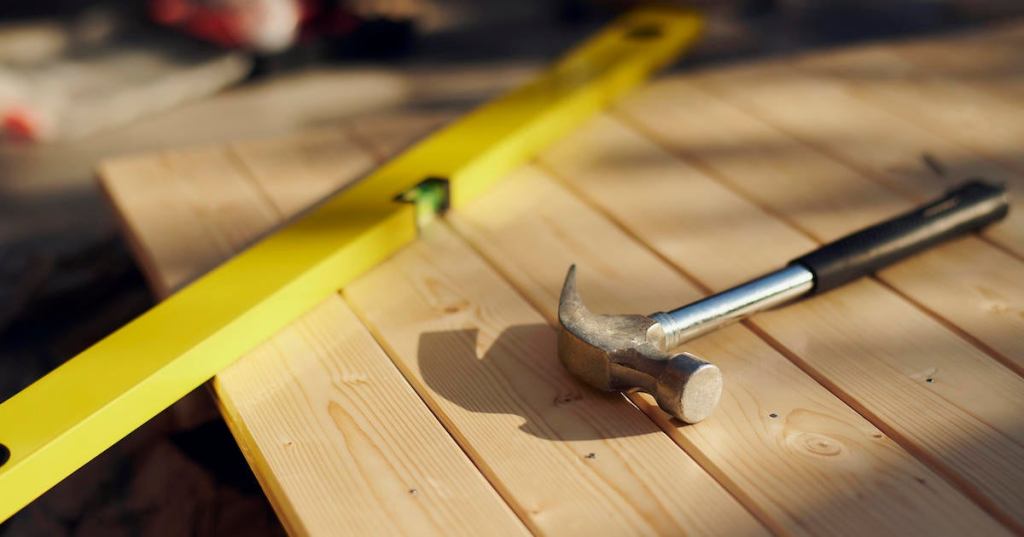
<point x="965" y="208"/>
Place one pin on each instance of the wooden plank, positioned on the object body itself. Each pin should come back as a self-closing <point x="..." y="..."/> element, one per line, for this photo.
<point x="717" y="502"/>
<point x="911" y="362"/>
<point x="301" y="169"/>
<point x="346" y="443"/>
<point x="187" y="192"/>
<point x="910" y="159"/>
<point x="570" y="461"/>
<point x="988" y="59"/>
<point x="335" y="434"/>
<point x="791" y="451"/>
<point x="966" y="114"/>
<point x="933" y="392"/>
<point x="386" y="134"/>
<point x="827" y="199"/>
<point x="962" y="283"/>
<point x="232" y="309"/>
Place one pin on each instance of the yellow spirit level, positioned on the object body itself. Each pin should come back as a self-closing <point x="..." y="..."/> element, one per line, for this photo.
<point x="81" y="408"/>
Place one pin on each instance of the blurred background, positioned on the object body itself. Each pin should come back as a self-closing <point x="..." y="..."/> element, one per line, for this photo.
<point x="81" y="81"/>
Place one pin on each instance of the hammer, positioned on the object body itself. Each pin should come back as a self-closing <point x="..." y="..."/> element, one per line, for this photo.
<point x="631" y="352"/>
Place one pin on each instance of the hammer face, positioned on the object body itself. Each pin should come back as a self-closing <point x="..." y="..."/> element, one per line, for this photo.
<point x="689" y="388"/>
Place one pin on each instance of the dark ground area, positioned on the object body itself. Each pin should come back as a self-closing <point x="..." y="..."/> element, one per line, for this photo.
<point x="63" y="287"/>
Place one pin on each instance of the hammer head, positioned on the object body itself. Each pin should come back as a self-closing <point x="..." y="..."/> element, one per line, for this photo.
<point x="621" y="353"/>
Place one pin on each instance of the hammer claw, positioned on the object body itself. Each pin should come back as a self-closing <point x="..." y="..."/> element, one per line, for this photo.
<point x="614" y="353"/>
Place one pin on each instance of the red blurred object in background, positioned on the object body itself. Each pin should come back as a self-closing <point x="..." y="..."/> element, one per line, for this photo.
<point x="268" y="27"/>
<point x="260" y="25"/>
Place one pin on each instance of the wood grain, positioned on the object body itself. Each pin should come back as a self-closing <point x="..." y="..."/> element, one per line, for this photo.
<point x="987" y="58"/>
<point x="930" y="390"/>
<point x="794" y="453"/>
<point x="826" y="198"/>
<point x="849" y="142"/>
<point x="713" y="500"/>
<point x="959" y="111"/>
<point x="386" y="134"/>
<point x="299" y="170"/>
<point x="885" y="147"/>
<point x="571" y="461"/>
<point x="181" y="208"/>
<point x="336" y="436"/>
<point x="355" y="450"/>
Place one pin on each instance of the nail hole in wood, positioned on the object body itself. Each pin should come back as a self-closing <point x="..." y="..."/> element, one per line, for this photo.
<point x="773" y="415"/>
<point x="933" y="164"/>
<point x="929" y="380"/>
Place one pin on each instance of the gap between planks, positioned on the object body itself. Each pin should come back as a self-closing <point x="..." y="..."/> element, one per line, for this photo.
<point x="481" y="356"/>
<point x="965" y="55"/>
<point x="820" y="219"/>
<point x="679" y="505"/>
<point x="780" y="518"/>
<point x="747" y="449"/>
<point x="281" y="425"/>
<point x="439" y="252"/>
<point x="991" y="124"/>
<point x="830" y="386"/>
<point x="657" y="219"/>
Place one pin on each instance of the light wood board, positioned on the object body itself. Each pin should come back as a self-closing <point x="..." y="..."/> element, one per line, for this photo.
<point x="791" y="449"/>
<point x="889" y="407"/>
<point x="909" y="164"/>
<point x="309" y="406"/>
<point x="570" y="461"/>
<point x="868" y="345"/>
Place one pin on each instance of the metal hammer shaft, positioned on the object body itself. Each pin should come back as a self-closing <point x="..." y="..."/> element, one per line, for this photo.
<point x="768" y="291"/>
<point x="964" y="209"/>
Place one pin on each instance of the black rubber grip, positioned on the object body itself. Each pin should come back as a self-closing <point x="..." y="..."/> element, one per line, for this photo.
<point x="963" y="209"/>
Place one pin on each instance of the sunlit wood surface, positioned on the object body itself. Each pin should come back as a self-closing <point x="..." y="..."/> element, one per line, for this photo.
<point x="426" y="398"/>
